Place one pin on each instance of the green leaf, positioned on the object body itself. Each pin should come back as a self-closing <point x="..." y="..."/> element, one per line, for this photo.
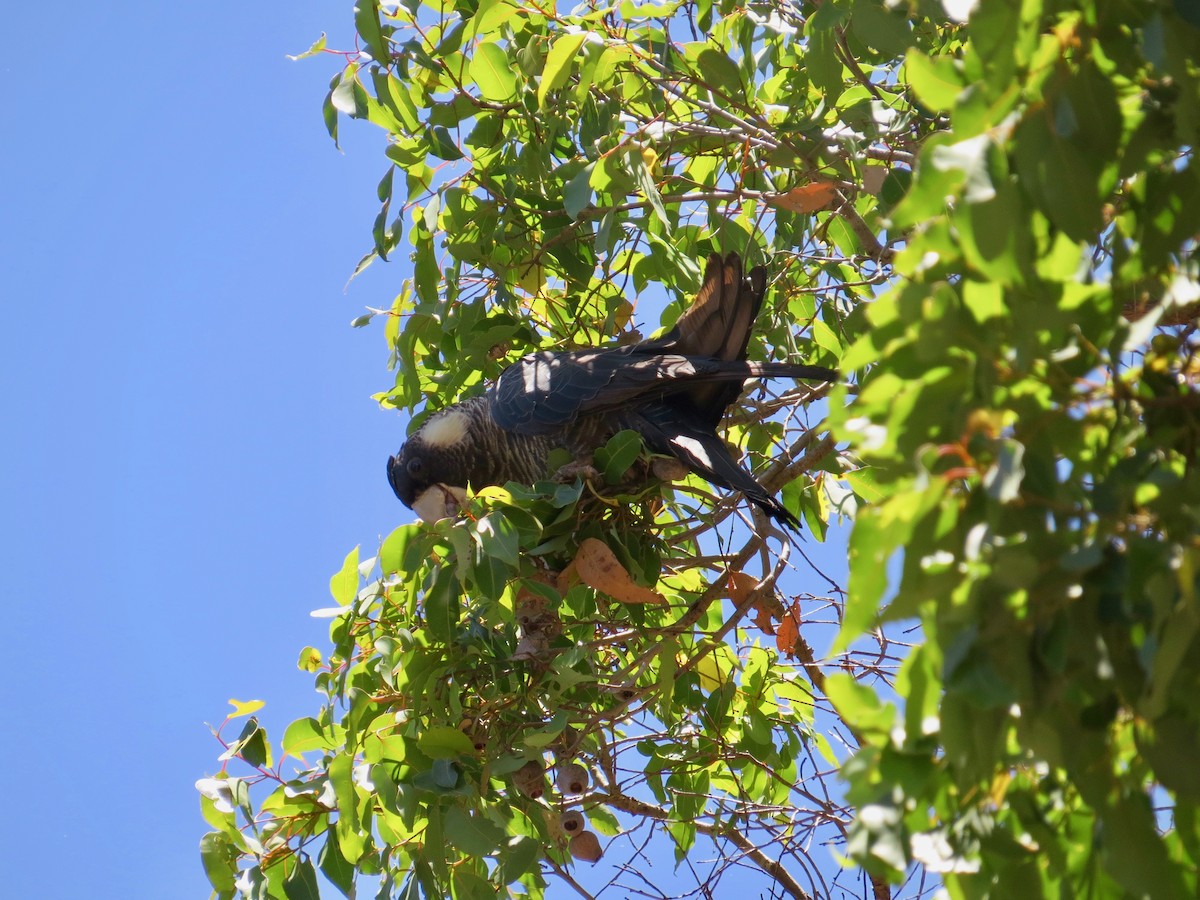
<point x="397" y="98"/>
<point x="330" y="114"/>
<point x="473" y="835"/>
<point x="884" y="29"/>
<point x="442" y="606"/>
<point x="937" y="82"/>
<point x="520" y="856"/>
<point x="444" y="742"/>
<point x="441" y="144"/>
<point x="577" y="195"/>
<point x="219" y="858"/>
<point x="252" y="745"/>
<point x="828" y="16"/>
<point x="498" y="538"/>
<point x="395" y="547"/>
<point x="335" y="866"/>
<point x="1063" y="180"/>
<point x="720" y="72"/>
<point x="366" y="21"/>
<point x="344" y="585"/>
<point x="490" y="70"/>
<point x="341" y="776"/>
<point x="304" y="735"/>
<point x="821" y="62"/>
<point x="348" y="95"/>
<point x="301" y="882"/>
<point x="444" y="774"/>
<point x="469" y="886"/>
<point x="859" y="705"/>
<point x="1136" y="855"/>
<point x="317" y="46"/>
<point x="645" y="183"/>
<point x="616" y="456"/>
<point x="559" y="64"/>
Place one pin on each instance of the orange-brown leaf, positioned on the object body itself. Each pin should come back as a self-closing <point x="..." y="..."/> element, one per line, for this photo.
<point x="740" y="586"/>
<point x="789" y="631"/>
<point x="806" y="198"/>
<point x="598" y="567"/>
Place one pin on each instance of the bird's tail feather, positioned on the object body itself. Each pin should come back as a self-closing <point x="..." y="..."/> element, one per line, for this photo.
<point x="720" y="319"/>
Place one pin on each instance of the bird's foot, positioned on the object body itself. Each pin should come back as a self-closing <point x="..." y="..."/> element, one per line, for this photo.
<point x="578" y="469"/>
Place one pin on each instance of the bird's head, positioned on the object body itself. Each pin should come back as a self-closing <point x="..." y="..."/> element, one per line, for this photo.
<point x="429" y="474"/>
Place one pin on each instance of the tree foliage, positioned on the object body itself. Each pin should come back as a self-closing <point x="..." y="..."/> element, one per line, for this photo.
<point x="987" y="213"/>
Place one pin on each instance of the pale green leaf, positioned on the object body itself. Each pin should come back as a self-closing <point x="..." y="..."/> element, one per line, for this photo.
<point x="559" y="64"/>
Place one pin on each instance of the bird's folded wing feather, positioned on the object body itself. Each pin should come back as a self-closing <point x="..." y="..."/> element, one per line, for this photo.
<point x="547" y="390"/>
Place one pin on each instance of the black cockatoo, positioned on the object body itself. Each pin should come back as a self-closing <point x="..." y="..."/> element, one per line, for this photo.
<point x="672" y="390"/>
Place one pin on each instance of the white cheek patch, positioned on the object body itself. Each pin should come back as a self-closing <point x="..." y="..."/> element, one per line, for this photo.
<point x="445" y="429"/>
<point x="439" y="501"/>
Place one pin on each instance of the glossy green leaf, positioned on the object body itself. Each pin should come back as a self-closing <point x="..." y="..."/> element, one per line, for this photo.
<point x="473" y="835"/>
<point x="558" y="69"/>
<point x="335" y="867"/>
<point x="577" y="194"/>
<point x="490" y="70"/>
<point x="937" y="81"/>
<point x="304" y="735"/>
<point x="615" y="457"/>
<point x="395" y="547"/>
<point x="301" y="881"/>
<point x="344" y="585"/>
<point x="317" y="46"/>
<point x="219" y="858"/>
<point x="441" y="144"/>
<point x="366" y="21"/>
<point x="443" y="742"/>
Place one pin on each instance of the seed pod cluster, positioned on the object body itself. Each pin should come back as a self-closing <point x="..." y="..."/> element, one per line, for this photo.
<point x="572" y="822"/>
<point x="572" y="778"/>
<point x="476" y="730"/>
<point x="586" y="846"/>
<point x="530" y="780"/>
<point x="539" y="624"/>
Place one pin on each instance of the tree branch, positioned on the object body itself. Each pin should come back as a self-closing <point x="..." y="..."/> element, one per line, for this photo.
<point x="729" y="832"/>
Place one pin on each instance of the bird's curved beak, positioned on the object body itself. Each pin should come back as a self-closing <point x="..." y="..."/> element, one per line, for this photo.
<point x="439" y="501"/>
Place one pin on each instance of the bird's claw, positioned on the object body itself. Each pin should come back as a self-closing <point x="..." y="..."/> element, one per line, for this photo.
<point x="578" y="469"/>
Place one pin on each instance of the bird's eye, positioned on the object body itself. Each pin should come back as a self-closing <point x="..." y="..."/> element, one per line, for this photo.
<point x="415" y="466"/>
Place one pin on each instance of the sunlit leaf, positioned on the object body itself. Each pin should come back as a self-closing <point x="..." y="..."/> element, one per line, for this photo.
<point x="344" y="585"/>
<point x="443" y="742"/>
<point x="557" y="69"/>
<point x="491" y="70"/>
<point x="317" y="46"/>
<point x="245" y="707"/>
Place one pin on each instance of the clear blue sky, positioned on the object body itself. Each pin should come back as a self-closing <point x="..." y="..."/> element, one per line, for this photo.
<point x="190" y="443"/>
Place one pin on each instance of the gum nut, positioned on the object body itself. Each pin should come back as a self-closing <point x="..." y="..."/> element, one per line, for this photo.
<point x="572" y="821"/>
<point x="668" y="469"/>
<point x="530" y="780"/>
<point x="531" y="646"/>
<point x="572" y="778"/>
<point x="586" y="846"/>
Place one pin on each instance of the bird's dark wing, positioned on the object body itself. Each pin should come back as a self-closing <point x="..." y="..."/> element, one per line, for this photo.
<point x="546" y="391"/>
<point x="669" y="429"/>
